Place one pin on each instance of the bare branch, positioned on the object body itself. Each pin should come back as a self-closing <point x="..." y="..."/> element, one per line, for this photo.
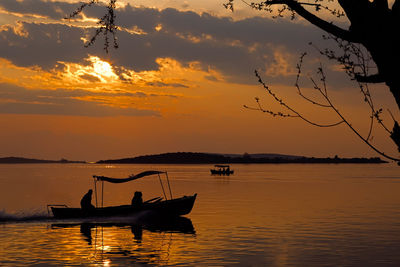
<point x="106" y="24"/>
<point x="359" y="135"/>
<point x="274" y="114"/>
<point x="298" y="67"/>
<point x="323" y="91"/>
<point x="281" y="102"/>
<point x="356" y="63"/>
<point x="80" y="9"/>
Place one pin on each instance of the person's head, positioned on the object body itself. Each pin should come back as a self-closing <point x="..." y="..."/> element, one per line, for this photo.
<point x="90" y="191"/>
<point x="138" y="194"/>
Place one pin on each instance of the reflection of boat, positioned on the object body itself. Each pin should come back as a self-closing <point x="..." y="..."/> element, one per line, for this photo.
<point x="175" y="224"/>
<point x="168" y="207"/>
<point x="221" y="170"/>
<point x="172" y="225"/>
<point x="152" y="242"/>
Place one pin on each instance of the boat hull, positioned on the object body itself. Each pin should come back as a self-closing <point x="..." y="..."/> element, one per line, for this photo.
<point x="172" y="207"/>
<point x="219" y="172"/>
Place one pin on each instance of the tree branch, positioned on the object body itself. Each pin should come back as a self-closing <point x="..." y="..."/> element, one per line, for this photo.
<point x="280" y="101"/>
<point x="298" y="67"/>
<point x="366" y="141"/>
<point x="375" y="78"/>
<point x="320" y="23"/>
<point x="395" y="134"/>
<point x="106" y="24"/>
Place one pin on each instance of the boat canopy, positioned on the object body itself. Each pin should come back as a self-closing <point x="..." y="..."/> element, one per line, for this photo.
<point x="222" y="166"/>
<point x="130" y="178"/>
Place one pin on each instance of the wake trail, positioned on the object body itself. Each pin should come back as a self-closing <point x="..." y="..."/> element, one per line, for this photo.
<point x="37" y="216"/>
<point x="44" y="217"/>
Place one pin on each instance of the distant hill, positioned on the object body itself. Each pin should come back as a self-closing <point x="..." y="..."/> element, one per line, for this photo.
<point x="263" y="155"/>
<point x="19" y="160"/>
<point x="211" y="158"/>
<point x="172" y="158"/>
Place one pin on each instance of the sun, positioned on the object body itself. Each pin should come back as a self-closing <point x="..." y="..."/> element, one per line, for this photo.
<point x="102" y="68"/>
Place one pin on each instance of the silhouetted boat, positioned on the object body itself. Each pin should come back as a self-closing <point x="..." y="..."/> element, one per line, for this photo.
<point x="168" y="207"/>
<point x="221" y="170"/>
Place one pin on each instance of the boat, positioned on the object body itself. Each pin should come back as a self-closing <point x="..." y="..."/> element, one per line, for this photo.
<point x="221" y="170"/>
<point x="167" y="206"/>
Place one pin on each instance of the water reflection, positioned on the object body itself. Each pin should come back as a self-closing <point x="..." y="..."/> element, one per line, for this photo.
<point x="264" y="215"/>
<point x="150" y="242"/>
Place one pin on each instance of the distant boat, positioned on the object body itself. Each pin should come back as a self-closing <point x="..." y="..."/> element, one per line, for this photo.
<point x="168" y="207"/>
<point x="221" y="170"/>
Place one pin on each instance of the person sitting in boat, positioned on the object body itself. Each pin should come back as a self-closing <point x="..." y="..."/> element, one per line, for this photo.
<point x="137" y="199"/>
<point x="86" y="201"/>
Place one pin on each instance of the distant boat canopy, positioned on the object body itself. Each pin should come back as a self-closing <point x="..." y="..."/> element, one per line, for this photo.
<point x="221" y="166"/>
<point x="130" y="178"/>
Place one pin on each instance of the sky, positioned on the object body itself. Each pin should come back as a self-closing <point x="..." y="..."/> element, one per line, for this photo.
<point x="178" y="82"/>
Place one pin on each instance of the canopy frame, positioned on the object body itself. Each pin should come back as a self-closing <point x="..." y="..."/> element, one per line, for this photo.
<point x="102" y="179"/>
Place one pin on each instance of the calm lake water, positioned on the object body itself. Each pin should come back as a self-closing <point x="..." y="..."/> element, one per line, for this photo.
<point x="263" y="215"/>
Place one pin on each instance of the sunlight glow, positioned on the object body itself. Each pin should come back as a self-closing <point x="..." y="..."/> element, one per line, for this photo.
<point x="134" y="30"/>
<point x="99" y="75"/>
<point x="158" y="27"/>
<point x="98" y="81"/>
<point x="88" y="19"/>
<point x="102" y="68"/>
<point x="98" y="72"/>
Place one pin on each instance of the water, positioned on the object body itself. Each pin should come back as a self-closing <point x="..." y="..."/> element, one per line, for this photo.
<point x="264" y="215"/>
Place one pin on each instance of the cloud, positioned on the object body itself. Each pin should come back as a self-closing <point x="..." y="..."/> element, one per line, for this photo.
<point x="233" y="48"/>
<point x="90" y="78"/>
<point x="18" y="100"/>
<point x="48" y="9"/>
<point x="162" y="84"/>
<point x="44" y="46"/>
<point x="281" y="65"/>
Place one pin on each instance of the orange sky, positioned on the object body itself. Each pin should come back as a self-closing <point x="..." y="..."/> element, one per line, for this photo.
<point x="171" y="86"/>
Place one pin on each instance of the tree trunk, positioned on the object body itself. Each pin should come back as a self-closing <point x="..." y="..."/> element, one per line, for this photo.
<point x="377" y="28"/>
